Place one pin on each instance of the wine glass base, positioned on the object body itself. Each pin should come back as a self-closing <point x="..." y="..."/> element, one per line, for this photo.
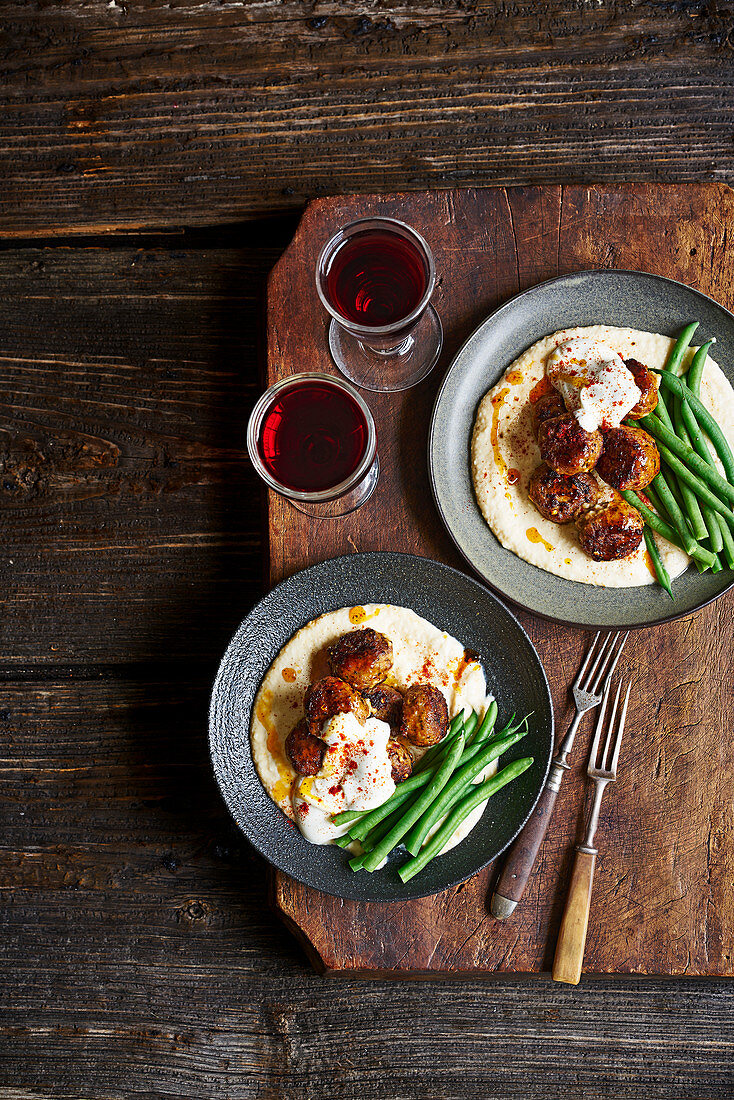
<point x="388" y="373"/>
<point x="342" y="506"/>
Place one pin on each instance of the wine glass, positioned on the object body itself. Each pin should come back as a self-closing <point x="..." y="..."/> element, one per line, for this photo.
<point x="311" y="438"/>
<point x="376" y="277"/>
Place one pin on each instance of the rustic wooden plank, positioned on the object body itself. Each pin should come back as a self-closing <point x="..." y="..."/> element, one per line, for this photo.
<point x="131" y="512"/>
<point x="138" y="956"/>
<point x="118" y="115"/>
<point x="663" y="900"/>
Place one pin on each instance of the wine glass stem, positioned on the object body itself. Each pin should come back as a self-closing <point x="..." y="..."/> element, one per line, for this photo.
<point x="400" y="349"/>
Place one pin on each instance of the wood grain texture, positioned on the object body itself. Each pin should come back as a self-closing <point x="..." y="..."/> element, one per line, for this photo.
<point x="137" y="954"/>
<point x="155" y="114"/>
<point x="138" y="958"/>
<point x="663" y="901"/>
<point x="129" y="506"/>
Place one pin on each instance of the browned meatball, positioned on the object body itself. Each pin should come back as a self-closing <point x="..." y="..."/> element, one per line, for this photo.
<point x="647" y="385"/>
<point x="332" y="696"/>
<point x="545" y="408"/>
<point x="566" y="447"/>
<point x="610" y="532"/>
<point x="362" y="657"/>
<point x="387" y="705"/>
<point x="425" y="715"/>
<point x="630" y="459"/>
<point x="559" y="497"/>
<point x="400" y="759"/>
<point x="305" y="751"/>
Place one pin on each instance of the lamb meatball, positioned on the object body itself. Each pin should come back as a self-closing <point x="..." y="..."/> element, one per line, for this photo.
<point x="425" y="715"/>
<point x="332" y="696"/>
<point x="545" y="408"/>
<point x="561" y="498"/>
<point x="647" y="385"/>
<point x="306" y="752"/>
<point x="362" y="657"/>
<point x="387" y="705"/>
<point x="566" y="447"/>
<point x="630" y="459"/>
<point x="610" y="532"/>
<point x="400" y="759"/>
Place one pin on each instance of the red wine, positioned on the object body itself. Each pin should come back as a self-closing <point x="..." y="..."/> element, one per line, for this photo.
<point x="377" y="277"/>
<point x="312" y="437"/>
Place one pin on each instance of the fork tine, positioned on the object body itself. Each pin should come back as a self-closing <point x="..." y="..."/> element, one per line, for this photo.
<point x="582" y="670"/>
<point x="599" y="724"/>
<point x="620" y="730"/>
<point x="606" y="757"/>
<point x="617" y="655"/>
<point x="605" y="673"/>
<point x="599" y="657"/>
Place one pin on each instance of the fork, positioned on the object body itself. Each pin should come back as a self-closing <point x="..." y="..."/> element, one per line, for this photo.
<point x="601" y="770"/>
<point x="593" y="678"/>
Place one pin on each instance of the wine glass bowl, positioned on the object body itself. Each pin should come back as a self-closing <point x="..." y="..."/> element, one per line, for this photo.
<point x="375" y="277"/>
<point x="312" y="439"/>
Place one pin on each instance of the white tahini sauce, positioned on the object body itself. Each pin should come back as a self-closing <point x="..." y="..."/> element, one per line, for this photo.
<point x="355" y="775"/>
<point x="593" y="381"/>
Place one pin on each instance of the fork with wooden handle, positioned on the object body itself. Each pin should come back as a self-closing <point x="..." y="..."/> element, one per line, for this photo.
<point x="594" y="674"/>
<point x="601" y="770"/>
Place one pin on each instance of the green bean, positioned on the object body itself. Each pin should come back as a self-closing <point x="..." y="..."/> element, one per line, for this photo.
<point x="471" y="724"/>
<point x="455" y="788"/>
<point x="699" y="553"/>
<point x="695" y="371"/>
<point x="716" y="537"/>
<point x="716" y="526"/>
<point x="702" y="490"/>
<point x="480" y="793"/>
<point x="458" y="720"/>
<point x="343" y="841"/>
<point x="674" y="511"/>
<point x="674" y="362"/>
<point x="398" y="831"/>
<point x="397" y="799"/>
<point x="728" y="548"/>
<point x="487" y="724"/>
<point x="660" y="571"/>
<point x="692" y="507"/>
<point x="373" y="838"/>
<point x="473" y="750"/>
<point x="705" y="419"/>
<point x="656" y="503"/>
<point x="688" y="456"/>
<point x="684" y="499"/>
<point x="720" y="536"/>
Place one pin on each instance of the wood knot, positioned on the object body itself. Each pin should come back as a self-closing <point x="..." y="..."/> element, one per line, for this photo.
<point x="194" y="912"/>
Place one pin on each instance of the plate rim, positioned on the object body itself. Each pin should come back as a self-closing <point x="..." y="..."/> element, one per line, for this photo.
<point x="591" y="272"/>
<point x="410" y="894"/>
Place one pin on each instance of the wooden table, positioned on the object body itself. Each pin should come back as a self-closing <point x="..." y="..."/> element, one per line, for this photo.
<point x="138" y="956"/>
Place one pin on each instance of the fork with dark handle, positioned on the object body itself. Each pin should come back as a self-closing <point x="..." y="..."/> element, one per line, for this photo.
<point x="588" y="687"/>
<point x="601" y="770"/>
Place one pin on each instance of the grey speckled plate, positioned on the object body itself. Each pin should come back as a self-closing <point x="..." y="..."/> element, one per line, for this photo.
<point x="453" y="602"/>
<point x="622" y="298"/>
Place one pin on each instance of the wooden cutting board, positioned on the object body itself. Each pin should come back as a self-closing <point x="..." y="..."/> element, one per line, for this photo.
<point x="664" y="895"/>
